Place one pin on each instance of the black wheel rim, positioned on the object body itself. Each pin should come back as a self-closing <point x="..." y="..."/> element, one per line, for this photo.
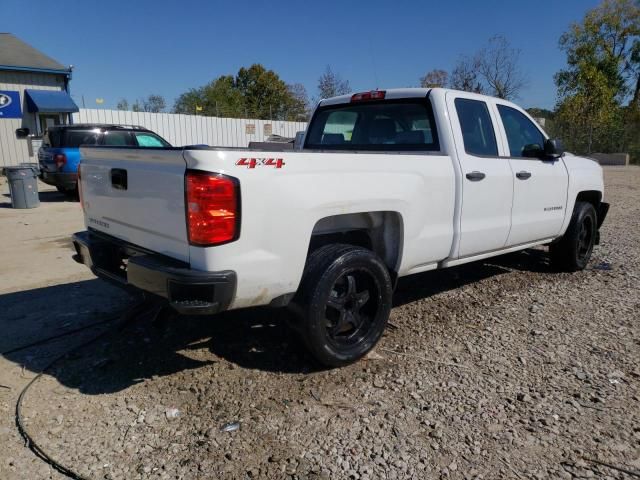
<point x="352" y="308"/>
<point x="585" y="239"/>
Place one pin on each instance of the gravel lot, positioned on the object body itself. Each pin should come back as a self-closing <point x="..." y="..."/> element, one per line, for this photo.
<point x="500" y="369"/>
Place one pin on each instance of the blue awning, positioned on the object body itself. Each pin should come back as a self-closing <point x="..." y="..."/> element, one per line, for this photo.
<point x="49" y="101"/>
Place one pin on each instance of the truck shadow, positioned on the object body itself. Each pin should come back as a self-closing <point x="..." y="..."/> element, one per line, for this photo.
<point x="146" y="348"/>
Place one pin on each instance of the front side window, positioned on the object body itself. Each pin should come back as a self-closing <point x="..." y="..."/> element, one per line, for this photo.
<point x="477" y="130"/>
<point x="146" y="139"/>
<point x="524" y="138"/>
<point x="392" y="125"/>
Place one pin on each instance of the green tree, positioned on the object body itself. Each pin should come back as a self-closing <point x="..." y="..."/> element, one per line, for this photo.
<point x="603" y="71"/>
<point x="254" y="92"/>
<point x="219" y="98"/>
<point x="265" y="94"/>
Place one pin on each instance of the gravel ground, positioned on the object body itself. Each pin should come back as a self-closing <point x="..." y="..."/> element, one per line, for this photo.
<point x="499" y="369"/>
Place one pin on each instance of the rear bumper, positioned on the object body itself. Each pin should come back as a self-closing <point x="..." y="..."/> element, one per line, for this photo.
<point x="68" y="181"/>
<point x="188" y="291"/>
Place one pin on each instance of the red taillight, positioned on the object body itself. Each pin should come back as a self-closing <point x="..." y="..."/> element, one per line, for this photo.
<point x="213" y="211"/>
<point x="372" y="95"/>
<point x="60" y="159"/>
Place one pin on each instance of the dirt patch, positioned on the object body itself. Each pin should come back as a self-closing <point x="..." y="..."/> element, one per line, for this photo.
<point x="500" y="369"/>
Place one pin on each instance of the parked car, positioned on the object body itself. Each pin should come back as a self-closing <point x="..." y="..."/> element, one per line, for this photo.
<point x="59" y="155"/>
<point x="387" y="184"/>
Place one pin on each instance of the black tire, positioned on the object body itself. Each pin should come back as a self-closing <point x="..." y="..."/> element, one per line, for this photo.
<point x="573" y="251"/>
<point x="343" y="302"/>
<point x="71" y="193"/>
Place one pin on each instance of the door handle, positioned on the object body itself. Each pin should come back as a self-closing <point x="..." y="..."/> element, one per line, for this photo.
<point x="119" y="178"/>
<point x="475" y="176"/>
<point x="523" y="175"/>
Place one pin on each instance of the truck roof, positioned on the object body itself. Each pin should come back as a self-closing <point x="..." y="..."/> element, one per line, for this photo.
<point x="397" y="93"/>
<point x="391" y="93"/>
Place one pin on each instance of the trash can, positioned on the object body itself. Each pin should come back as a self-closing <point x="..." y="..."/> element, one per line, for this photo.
<point x="23" y="186"/>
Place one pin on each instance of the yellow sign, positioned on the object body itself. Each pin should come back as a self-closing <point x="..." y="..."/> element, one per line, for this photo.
<point x="99" y="101"/>
<point x="198" y="108"/>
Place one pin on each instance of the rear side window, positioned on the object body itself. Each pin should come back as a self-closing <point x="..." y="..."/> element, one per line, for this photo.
<point x="73" y="138"/>
<point x="477" y="129"/>
<point x="146" y="139"/>
<point x="521" y="132"/>
<point x="377" y="126"/>
<point x="117" y="138"/>
<point x="51" y="138"/>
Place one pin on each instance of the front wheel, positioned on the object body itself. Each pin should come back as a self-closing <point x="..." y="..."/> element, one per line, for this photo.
<point x="573" y="251"/>
<point x="344" y="301"/>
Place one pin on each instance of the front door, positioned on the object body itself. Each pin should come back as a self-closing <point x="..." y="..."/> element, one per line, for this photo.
<point x="540" y="185"/>
<point x="487" y="179"/>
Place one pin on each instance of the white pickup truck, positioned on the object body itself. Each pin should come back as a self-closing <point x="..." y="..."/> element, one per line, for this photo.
<point x="387" y="184"/>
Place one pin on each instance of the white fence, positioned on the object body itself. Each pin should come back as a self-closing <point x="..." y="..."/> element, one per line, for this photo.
<point x="180" y="129"/>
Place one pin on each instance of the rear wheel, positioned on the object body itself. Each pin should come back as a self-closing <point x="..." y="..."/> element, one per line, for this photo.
<point x="344" y="301"/>
<point x="573" y="251"/>
<point x="69" y="192"/>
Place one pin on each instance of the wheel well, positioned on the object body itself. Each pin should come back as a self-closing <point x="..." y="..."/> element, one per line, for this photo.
<point x="592" y="196"/>
<point x="380" y="232"/>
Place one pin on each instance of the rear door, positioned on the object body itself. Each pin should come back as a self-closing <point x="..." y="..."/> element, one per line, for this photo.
<point x="487" y="180"/>
<point x="137" y="195"/>
<point x="540" y="185"/>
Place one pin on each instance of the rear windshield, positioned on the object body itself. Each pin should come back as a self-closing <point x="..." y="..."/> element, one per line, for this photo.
<point x="391" y="125"/>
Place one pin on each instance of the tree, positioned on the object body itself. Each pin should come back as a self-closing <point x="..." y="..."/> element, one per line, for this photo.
<point x="154" y="103"/>
<point x="255" y="92"/>
<point x="609" y="38"/>
<point x="498" y="65"/>
<point x="465" y="77"/>
<point x="434" y="78"/>
<point x="219" y="98"/>
<point x="123" y="104"/>
<point x="300" y="102"/>
<point x="331" y="84"/>
<point x="265" y="94"/>
<point x="603" y="71"/>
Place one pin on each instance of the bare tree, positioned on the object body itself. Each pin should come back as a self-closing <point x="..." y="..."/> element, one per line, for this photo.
<point x="330" y="84"/>
<point x="465" y="75"/>
<point x="123" y="104"/>
<point x="434" y="78"/>
<point x="154" y="103"/>
<point x="498" y="65"/>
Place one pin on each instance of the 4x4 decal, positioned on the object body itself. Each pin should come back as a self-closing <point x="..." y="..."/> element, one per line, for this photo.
<point x="260" y="162"/>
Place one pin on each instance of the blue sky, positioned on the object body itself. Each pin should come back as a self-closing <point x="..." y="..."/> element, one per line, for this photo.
<point x="133" y="48"/>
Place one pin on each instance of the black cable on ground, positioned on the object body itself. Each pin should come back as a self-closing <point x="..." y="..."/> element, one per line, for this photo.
<point x="29" y="441"/>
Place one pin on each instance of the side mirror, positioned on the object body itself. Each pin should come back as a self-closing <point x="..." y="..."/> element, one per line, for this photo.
<point x="553" y="148"/>
<point x="22" y="133"/>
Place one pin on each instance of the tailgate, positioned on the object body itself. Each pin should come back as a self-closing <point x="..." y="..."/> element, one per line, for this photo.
<point x="137" y="195"/>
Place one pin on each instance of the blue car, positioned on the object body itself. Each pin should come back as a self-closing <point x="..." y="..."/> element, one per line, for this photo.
<point x="59" y="155"/>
